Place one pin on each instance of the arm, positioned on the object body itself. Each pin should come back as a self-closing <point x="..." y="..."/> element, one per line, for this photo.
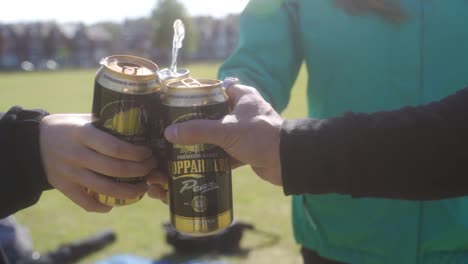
<point x="21" y="172"/>
<point x="412" y="153"/>
<point x="268" y="55"/>
<point x="64" y="151"/>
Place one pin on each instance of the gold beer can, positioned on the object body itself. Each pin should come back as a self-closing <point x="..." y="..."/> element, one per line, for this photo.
<point x="159" y="142"/>
<point x="200" y="185"/>
<point x="126" y="102"/>
<point x="167" y="75"/>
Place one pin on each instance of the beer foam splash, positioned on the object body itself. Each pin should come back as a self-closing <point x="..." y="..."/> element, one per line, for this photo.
<point x="179" y="35"/>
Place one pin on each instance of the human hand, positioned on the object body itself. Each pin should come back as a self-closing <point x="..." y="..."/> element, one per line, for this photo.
<point x="74" y="154"/>
<point x="250" y="134"/>
<point x="158" y="186"/>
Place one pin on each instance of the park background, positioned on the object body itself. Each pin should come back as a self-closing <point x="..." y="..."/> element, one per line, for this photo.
<point x="67" y="88"/>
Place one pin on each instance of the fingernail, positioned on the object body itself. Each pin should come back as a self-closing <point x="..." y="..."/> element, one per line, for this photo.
<point x="170" y="133"/>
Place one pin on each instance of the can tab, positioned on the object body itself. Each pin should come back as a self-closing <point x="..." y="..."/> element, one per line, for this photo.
<point x="189" y="83"/>
<point x="128" y="68"/>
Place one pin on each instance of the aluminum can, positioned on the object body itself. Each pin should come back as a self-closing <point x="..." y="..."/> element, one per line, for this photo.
<point x="167" y="76"/>
<point x="126" y="103"/>
<point x="159" y="141"/>
<point x="200" y="187"/>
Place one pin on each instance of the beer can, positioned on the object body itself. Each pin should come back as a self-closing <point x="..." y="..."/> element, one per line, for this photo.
<point x="200" y="185"/>
<point x="167" y="75"/>
<point x="125" y="104"/>
<point x="159" y="142"/>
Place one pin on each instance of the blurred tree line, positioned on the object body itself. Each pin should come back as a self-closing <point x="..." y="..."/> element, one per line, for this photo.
<point x="50" y="45"/>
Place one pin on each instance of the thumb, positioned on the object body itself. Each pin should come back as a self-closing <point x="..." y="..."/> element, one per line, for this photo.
<point x="193" y="132"/>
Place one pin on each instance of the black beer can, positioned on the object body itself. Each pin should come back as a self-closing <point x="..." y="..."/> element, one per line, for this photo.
<point x="126" y="104"/>
<point x="167" y="76"/>
<point x="200" y="188"/>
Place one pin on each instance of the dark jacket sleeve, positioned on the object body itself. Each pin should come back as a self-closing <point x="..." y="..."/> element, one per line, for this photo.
<point x="413" y="153"/>
<point x="22" y="177"/>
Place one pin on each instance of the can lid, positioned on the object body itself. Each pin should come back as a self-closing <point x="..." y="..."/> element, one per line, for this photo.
<point x="190" y="83"/>
<point x="166" y="73"/>
<point x="130" y="65"/>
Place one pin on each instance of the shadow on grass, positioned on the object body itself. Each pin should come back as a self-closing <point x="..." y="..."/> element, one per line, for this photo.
<point x="211" y="249"/>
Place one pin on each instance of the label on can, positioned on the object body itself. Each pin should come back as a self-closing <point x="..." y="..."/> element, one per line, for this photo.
<point x="124" y="115"/>
<point x="200" y="183"/>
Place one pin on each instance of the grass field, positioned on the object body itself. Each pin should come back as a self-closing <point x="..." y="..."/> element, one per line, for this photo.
<point x="56" y="220"/>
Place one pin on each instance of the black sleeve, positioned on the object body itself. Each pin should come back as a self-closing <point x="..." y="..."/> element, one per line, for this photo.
<point x="22" y="177"/>
<point x="416" y="153"/>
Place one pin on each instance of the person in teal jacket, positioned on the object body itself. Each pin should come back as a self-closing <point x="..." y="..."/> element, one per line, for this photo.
<point x="363" y="56"/>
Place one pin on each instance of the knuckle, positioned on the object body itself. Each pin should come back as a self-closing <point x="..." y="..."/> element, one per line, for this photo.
<point x="227" y="135"/>
<point x="119" y="169"/>
<point x="153" y="194"/>
<point x="226" y="131"/>
<point x="127" y="191"/>
<point x="262" y="122"/>
<point x="148" y="167"/>
<point x="132" y="169"/>
<point x="140" y="153"/>
<point x="116" y="148"/>
<point x="90" y="205"/>
<point x="142" y="169"/>
<point x="100" y="209"/>
<point x="104" y="209"/>
<point x="77" y="154"/>
<point x="156" y="192"/>
<point x="106" y="168"/>
<point x="84" y="131"/>
<point x="62" y="177"/>
<point x="251" y="90"/>
<point x="127" y="169"/>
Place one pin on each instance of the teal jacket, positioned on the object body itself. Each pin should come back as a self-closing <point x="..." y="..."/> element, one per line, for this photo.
<point x="364" y="64"/>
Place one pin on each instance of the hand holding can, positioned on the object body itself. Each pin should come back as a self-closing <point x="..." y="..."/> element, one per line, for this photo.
<point x="126" y="104"/>
<point x="75" y="154"/>
<point x="200" y="187"/>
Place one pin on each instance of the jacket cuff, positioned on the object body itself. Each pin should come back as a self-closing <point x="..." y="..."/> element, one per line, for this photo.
<point x="307" y="159"/>
<point x="288" y="158"/>
<point x="25" y="127"/>
<point x="28" y="141"/>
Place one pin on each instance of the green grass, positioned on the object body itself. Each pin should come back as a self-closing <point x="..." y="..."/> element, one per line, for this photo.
<point x="56" y="220"/>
